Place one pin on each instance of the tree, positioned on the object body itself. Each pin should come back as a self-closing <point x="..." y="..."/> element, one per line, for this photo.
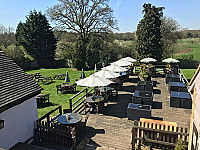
<point x="148" y="33"/>
<point x="36" y="36"/>
<point x="170" y="34"/>
<point x="7" y="36"/>
<point x="94" y="48"/>
<point x="83" y="17"/>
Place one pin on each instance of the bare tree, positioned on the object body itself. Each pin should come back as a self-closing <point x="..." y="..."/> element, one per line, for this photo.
<point x="7" y="36"/>
<point x="83" y="16"/>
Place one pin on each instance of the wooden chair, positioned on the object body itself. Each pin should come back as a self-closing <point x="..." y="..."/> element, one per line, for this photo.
<point x="99" y="106"/>
<point x="59" y="88"/>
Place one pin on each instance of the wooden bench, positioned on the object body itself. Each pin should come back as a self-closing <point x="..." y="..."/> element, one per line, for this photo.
<point x="157" y="134"/>
<point x="59" y="76"/>
<point x="45" y="80"/>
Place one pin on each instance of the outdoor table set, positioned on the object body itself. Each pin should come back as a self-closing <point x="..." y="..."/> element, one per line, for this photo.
<point x="45" y="80"/>
<point x="95" y="102"/>
<point x="172" y="78"/>
<point x="143" y="97"/>
<point x="60" y="76"/>
<point x="177" y="86"/>
<point x="145" y="86"/>
<point x="142" y="101"/>
<point x="180" y="100"/>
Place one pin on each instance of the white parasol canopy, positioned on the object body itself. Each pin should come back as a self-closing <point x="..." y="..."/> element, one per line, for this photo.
<point x="129" y="59"/>
<point x="122" y="63"/>
<point x="147" y="60"/>
<point x="170" y="60"/>
<point x="107" y="74"/>
<point x="115" y="68"/>
<point x="93" y="81"/>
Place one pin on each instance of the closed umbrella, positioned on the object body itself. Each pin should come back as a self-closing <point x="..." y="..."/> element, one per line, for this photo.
<point x="95" y="68"/>
<point x="129" y="59"/>
<point x="67" y="79"/>
<point x="115" y="68"/>
<point x="122" y="63"/>
<point x="170" y="60"/>
<point x="107" y="74"/>
<point x="82" y="74"/>
<point x="147" y="60"/>
<point x="93" y="81"/>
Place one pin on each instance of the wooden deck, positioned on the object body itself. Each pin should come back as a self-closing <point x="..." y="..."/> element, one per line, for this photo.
<point x="111" y="129"/>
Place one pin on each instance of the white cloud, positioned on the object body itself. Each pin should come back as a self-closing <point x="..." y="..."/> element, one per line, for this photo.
<point x="119" y="2"/>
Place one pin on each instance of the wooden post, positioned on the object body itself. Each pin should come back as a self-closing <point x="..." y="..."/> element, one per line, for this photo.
<point x="70" y="104"/>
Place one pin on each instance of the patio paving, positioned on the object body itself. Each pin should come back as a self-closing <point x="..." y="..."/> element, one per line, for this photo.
<point x="111" y="129"/>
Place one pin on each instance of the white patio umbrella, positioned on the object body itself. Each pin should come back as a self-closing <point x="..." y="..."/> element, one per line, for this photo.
<point x="67" y="79"/>
<point x="107" y="74"/>
<point x="122" y="63"/>
<point x="170" y="60"/>
<point x="93" y="81"/>
<point x="147" y="60"/>
<point x="129" y="59"/>
<point x="115" y="68"/>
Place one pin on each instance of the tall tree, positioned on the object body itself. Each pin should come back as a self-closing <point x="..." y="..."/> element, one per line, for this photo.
<point x="83" y="17"/>
<point x="36" y="36"/>
<point x="149" y="33"/>
<point x="170" y="35"/>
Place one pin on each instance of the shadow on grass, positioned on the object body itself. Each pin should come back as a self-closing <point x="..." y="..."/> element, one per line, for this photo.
<point x="43" y="105"/>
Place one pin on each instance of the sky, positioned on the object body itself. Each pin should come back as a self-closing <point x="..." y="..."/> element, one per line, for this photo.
<point x="127" y="12"/>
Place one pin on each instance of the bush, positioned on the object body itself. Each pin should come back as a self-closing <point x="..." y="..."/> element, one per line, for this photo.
<point x="179" y="145"/>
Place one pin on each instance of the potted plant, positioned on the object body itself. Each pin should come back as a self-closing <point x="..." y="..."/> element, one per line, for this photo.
<point x="144" y="73"/>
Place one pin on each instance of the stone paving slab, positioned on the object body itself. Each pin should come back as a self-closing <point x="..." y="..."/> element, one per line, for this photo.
<point x="111" y="127"/>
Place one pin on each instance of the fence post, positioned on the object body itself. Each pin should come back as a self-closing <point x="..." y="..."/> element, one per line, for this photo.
<point x="70" y="104"/>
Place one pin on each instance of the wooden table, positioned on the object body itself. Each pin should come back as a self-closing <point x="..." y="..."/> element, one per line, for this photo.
<point x="60" y="76"/>
<point x="67" y="88"/>
<point x="45" y="80"/>
<point x="41" y="98"/>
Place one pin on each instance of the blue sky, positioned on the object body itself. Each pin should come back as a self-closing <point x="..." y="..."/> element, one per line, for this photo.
<point x="127" y="12"/>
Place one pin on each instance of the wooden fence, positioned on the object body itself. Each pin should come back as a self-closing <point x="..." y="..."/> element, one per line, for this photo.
<point x="78" y="105"/>
<point x="155" y="135"/>
<point x="50" y="132"/>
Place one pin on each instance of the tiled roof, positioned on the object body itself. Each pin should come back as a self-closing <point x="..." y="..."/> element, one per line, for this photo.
<point x="15" y="85"/>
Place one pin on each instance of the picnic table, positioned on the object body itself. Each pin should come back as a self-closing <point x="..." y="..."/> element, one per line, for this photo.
<point x="42" y="98"/>
<point x="35" y="75"/>
<point x="45" y="80"/>
<point x="60" y="76"/>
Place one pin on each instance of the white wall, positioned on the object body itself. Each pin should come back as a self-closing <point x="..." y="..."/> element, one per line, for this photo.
<point x="19" y="123"/>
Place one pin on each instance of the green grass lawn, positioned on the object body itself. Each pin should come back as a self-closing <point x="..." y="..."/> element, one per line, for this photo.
<point x="57" y="99"/>
<point x="190" y="46"/>
<point x="188" y="73"/>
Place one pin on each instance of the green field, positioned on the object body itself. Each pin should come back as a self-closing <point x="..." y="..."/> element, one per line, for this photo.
<point x="188" y="73"/>
<point x="57" y="99"/>
<point x="190" y="46"/>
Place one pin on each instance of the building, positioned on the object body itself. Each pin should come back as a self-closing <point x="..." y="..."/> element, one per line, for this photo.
<point x="18" y="108"/>
<point x="194" y="88"/>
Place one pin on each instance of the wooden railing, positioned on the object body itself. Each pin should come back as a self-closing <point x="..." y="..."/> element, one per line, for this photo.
<point x="77" y="105"/>
<point x="55" y="134"/>
<point x="48" y="115"/>
<point x="183" y="78"/>
<point x="157" y="136"/>
<point x="49" y="132"/>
